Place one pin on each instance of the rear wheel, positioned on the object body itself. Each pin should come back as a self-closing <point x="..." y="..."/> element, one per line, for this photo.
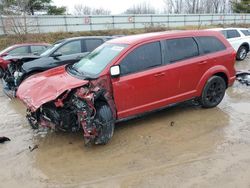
<point x="242" y="53"/>
<point x="1" y="72"/>
<point x="213" y="92"/>
<point x="106" y="124"/>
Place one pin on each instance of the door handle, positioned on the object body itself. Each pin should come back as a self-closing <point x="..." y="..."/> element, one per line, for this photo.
<point x="203" y="62"/>
<point x="159" y="74"/>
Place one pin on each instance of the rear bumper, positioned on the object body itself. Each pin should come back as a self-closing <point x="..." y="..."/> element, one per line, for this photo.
<point x="8" y="91"/>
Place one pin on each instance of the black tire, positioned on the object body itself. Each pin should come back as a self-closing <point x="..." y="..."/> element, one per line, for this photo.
<point x="105" y="118"/>
<point x="242" y="53"/>
<point x="213" y="92"/>
<point x="1" y="72"/>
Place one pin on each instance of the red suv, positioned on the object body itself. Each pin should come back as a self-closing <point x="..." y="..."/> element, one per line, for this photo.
<point x="129" y="76"/>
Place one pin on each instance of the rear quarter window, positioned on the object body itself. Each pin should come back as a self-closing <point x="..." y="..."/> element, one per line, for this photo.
<point x="181" y="48"/>
<point x="210" y="44"/>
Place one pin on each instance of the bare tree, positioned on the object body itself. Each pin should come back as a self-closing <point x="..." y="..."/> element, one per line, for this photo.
<point x="142" y="8"/>
<point x="82" y="10"/>
<point x="100" y="11"/>
<point x="14" y="18"/>
<point x="86" y="10"/>
<point x="197" y="6"/>
<point x="174" y="6"/>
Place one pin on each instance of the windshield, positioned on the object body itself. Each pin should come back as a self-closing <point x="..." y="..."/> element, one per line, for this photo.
<point x="51" y="48"/>
<point x="6" y="50"/>
<point x="96" y="61"/>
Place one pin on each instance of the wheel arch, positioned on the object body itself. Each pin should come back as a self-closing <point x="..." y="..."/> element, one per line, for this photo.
<point x="214" y="71"/>
<point x="246" y="45"/>
<point x="103" y="98"/>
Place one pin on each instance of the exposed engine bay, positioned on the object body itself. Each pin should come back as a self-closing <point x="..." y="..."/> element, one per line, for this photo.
<point x="14" y="75"/>
<point x="76" y="110"/>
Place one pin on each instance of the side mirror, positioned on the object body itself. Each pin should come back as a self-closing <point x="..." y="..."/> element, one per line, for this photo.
<point x="115" y="71"/>
<point x="56" y="54"/>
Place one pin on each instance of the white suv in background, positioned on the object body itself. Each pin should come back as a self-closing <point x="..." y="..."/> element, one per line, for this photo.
<point x="239" y="38"/>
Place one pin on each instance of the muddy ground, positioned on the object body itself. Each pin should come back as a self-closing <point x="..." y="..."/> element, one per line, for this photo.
<point x="203" y="148"/>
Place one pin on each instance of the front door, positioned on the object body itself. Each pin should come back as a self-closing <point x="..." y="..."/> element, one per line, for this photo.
<point x="139" y="86"/>
<point x="71" y="53"/>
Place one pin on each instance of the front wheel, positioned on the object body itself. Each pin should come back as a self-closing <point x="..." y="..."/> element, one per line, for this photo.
<point x="105" y="121"/>
<point x="213" y="92"/>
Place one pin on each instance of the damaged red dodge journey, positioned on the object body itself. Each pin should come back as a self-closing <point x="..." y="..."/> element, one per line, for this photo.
<point x="129" y="76"/>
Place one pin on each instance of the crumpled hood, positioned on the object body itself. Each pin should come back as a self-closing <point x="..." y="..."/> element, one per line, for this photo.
<point x="47" y="86"/>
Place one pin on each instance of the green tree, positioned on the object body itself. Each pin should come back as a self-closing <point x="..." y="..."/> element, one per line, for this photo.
<point x="29" y="7"/>
<point x="37" y="5"/>
<point x="54" y="10"/>
<point x="243" y="6"/>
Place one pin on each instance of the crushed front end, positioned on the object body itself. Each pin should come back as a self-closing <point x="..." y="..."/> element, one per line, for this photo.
<point x="77" y="110"/>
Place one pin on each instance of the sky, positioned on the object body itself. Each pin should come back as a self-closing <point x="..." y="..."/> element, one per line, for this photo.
<point x="116" y="6"/>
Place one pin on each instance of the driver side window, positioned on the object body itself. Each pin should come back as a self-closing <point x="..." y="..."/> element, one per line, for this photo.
<point x="142" y="58"/>
<point x="69" y="48"/>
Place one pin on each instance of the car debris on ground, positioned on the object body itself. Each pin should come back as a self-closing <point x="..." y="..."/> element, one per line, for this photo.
<point x="243" y="77"/>
<point x="33" y="148"/>
<point x="4" y="139"/>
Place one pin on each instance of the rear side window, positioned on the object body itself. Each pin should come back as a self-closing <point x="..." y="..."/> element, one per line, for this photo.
<point x="38" y="49"/>
<point x="210" y="44"/>
<point x="92" y="44"/>
<point x="142" y="58"/>
<point x="181" y="48"/>
<point x="246" y="32"/>
<point x="232" y="34"/>
<point x="19" y="51"/>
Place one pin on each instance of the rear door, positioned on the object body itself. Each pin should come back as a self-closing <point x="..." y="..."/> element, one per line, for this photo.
<point x="88" y="45"/>
<point x="186" y="64"/>
<point x="91" y="44"/>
